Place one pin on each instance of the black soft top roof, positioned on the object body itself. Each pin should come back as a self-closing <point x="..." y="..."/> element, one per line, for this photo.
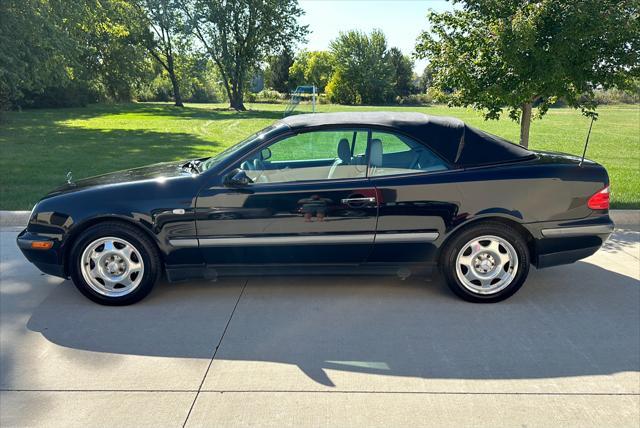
<point x="451" y="138"/>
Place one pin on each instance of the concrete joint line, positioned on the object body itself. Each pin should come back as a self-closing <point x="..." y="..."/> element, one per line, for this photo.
<point x="193" y="403"/>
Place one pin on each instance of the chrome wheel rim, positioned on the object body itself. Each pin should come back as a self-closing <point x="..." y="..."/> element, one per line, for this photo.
<point x="486" y="264"/>
<point x="112" y="266"/>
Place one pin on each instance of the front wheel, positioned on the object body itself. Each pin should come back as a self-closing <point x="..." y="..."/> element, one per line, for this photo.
<point x="114" y="264"/>
<point x="486" y="263"/>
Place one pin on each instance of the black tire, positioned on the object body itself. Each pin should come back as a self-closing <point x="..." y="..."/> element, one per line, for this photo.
<point x="459" y="241"/>
<point x="142" y="243"/>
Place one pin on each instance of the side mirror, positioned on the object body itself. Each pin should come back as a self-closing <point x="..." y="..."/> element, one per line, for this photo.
<point x="237" y="178"/>
<point x="265" y="153"/>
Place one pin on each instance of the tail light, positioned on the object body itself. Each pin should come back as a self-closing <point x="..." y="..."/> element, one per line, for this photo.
<point x="599" y="200"/>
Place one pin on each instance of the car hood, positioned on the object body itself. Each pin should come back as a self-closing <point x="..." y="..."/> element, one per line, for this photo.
<point x="148" y="172"/>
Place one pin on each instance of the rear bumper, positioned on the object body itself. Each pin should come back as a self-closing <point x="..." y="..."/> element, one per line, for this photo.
<point x="564" y="257"/>
<point x="597" y="229"/>
<point x="560" y="244"/>
<point x="48" y="261"/>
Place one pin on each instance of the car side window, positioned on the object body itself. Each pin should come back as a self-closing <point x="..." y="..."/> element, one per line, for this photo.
<point x="315" y="155"/>
<point x="360" y="146"/>
<point x="392" y="154"/>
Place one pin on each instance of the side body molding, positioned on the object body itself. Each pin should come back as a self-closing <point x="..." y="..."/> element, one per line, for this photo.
<point x="409" y="237"/>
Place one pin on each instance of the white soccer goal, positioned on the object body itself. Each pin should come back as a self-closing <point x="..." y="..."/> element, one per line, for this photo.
<point x="301" y="94"/>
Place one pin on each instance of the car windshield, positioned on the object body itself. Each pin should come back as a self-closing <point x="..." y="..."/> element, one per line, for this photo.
<point x="230" y="151"/>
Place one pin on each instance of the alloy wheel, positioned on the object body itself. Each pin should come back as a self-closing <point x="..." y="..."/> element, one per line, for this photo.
<point x="112" y="266"/>
<point x="486" y="264"/>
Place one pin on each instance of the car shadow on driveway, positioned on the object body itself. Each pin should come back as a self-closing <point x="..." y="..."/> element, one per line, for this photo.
<point x="576" y="320"/>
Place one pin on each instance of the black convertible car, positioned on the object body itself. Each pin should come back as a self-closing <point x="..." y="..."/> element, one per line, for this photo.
<point x="375" y="193"/>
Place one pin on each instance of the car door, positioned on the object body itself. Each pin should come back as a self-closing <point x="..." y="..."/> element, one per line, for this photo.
<point x="309" y="201"/>
<point x="418" y="198"/>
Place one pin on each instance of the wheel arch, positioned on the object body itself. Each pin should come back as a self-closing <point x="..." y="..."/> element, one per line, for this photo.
<point x="523" y="231"/>
<point x="80" y="228"/>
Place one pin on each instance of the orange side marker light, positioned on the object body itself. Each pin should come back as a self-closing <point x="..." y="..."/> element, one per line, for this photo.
<point x="41" y="245"/>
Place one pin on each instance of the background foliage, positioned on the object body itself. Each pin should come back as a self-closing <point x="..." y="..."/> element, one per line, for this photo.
<point x="58" y="53"/>
<point x="509" y="54"/>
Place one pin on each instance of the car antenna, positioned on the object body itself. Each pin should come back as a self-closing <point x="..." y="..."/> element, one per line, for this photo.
<point x="586" y="143"/>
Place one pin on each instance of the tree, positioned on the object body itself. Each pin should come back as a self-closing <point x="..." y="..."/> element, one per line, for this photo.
<point x="36" y="51"/>
<point x="496" y="54"/>
<point x="315" y="68"/>
<point x="164" y="35"/>
<point x="239" y="34"/>
<point x="277" y="72"/>
<point x="61" y="53"/>
<point x="402" y="72"/>
<point x="111" y="57"/>
<point x="426" y="80"/>
<point x="362" y="72"/>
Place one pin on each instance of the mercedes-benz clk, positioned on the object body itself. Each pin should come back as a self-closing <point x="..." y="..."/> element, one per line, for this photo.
<point x="337" y="193"/>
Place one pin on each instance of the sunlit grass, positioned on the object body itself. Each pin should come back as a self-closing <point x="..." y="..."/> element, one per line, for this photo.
<point x="38" y="147"/>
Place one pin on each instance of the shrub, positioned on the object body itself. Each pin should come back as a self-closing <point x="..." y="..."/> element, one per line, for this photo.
<point x="414" y="100"/>
<point x="323" y="99"/>
<point x="205" y="92"/>
<point x="193" y="91"/>
<point x="157" y="89"/>
<point x="616" y="96"/>
<point x="605" y="97"/>
<point x="340" y="91"/>
<point x="71" y="95"/>
<point x="269" y="96"/>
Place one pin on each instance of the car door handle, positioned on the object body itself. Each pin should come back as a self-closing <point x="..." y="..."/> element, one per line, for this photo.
<point x="358" y="200"/>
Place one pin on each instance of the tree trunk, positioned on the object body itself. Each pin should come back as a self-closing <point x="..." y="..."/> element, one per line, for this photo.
<point x="236" y="98"/>
<point x="525" y="124"/>
<point x="174" y="81"/>
<point x="236" y="102"/>
<point x="176" y="90"/>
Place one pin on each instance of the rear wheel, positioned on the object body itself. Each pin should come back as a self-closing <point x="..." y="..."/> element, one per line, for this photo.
<point x="114" y="264"/>
<point x="486" y="263"/>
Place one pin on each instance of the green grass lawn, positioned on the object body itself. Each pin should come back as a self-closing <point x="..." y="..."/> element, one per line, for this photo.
<point x="38" y="147"/>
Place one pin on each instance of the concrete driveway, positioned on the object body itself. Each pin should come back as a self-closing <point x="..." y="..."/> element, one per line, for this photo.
<point x="335" y="351"/>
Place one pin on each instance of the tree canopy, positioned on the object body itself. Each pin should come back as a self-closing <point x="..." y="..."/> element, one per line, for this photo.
<point x="164" y="37"/>
<point x="402" y="78"/>
<point x="312" y="68"/>
<point x="239" y="34"/>
<point x="57" y="50"/>
<point x="495" y="55"/>
<point x="277" y="71"/>
<point x="508" y="54"/>
<point x="362" y="72"/>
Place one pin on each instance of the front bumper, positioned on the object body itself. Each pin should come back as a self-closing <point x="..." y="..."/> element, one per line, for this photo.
<point x="48" y="261"/>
